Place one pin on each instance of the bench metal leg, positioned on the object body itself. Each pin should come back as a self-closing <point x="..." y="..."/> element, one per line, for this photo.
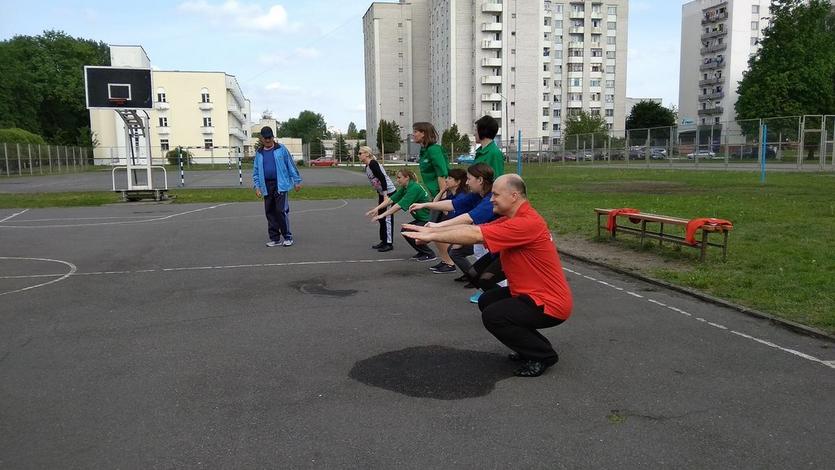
<point x="643" y="231"/>
<point x="598" y="226"/>
<point x="725" y="247"/>
<point x="661" y="236"/>
<point x="704" y="245"/>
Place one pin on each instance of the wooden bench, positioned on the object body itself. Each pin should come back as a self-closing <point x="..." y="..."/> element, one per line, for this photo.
<point x="639" y="228"/>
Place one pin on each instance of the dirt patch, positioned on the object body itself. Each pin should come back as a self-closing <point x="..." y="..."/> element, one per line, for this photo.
<point x="619" y="255"/>
<point x="645" y="187"/>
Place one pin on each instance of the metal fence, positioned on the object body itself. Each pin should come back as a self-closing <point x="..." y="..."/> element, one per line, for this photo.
<point x="35" y="159"/>
<point x="796" y="142"/>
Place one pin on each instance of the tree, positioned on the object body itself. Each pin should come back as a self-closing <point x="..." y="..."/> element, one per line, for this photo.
<point x="451" y="140"/>
<point x="356" y="151"/>
<point x="340" y="149"/>
<point x="361" y="134"/>
<point x="793" y="73"/>
<point x="42" y="84"/>
<point x="309" y="126"/>
<point x="19" y="136"/>
<point x="588" y="129"/>
<point x="351" y="134"/>
<point x="388" y="136"/>
<point x="648" y="114"/>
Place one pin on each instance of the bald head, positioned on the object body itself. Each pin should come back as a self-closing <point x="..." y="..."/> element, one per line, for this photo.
<point x="513" y="183"/>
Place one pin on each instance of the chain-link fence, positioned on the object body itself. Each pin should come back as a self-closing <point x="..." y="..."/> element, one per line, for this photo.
<point x="796" y="142"/>
<point x="35" y="159"/>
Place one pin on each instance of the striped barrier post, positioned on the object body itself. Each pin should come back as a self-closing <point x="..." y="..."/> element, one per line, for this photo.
<point x="240" y="175"/>
<point x="182" y="174"/>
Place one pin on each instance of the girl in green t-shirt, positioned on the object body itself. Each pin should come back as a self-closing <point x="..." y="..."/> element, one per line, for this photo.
<point x="433" y="164"/>
<point x="409" y="192"/>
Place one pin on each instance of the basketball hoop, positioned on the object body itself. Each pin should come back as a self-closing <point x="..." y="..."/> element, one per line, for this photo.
<point x="117" y="101"/>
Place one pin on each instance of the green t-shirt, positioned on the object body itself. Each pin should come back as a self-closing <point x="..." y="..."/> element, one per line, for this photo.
<point x="410" y="194"/>
<point x="432" y="166"/>
<point x="492" y="156"/>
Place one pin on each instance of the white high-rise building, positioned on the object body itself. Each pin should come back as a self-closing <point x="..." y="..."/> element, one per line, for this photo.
<point x="531" y="64"/>
<point x="717" y="39"/>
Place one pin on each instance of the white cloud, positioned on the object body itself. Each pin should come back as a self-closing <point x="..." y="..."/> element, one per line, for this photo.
<point x="240" y="15"/>
<point x="307" y="52"/>
<point x="280" y="87"/>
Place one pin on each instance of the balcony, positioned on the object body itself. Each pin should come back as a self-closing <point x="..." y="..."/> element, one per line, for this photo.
<point x="491" y="7"/>
<point x="495" y="114"/>
<point x="491" y="27"/>
<point x="491" y="80"/>
<point x="712" y="96"/>
<point x="714" y="48"/>
<point x="206" y="106"/>
<point x="491" y="97"/>
<point x="238" y="133"/>
<point x="162" y="105"/>
<point x="577" y="30"/>
<point x="597" y="15"/>
<point x="576" y="45"/>
<point x="575" y="60"/>
<point x="491" y="44"/>
<point x="711" y="81"/>
<point x="491" y="62"/>
<point x="163" y="130"/>
<point x="207" y="130"/>
<point x="712" y="65"/>
<point x="596" y="30"/>
<point x="234" y="111"/>
<point x="711" y="111"/>
<point x="546" y="74"/>
<point x="578" y="15"/>
<point x="714" y="34"/>
<point x="713" y="18"/>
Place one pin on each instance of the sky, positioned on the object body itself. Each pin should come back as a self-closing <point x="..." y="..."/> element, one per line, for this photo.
<point x="293" y="55"/>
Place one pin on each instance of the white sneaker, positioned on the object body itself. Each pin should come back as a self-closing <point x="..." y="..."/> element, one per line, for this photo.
<point x="272" y="243"/>
<point x="288" y="242"/>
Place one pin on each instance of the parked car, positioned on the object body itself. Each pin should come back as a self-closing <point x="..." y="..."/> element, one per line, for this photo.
<point x="412" y="158"/>
<point x="657" y="153"/>
<point x="323" y="161"/>
<point x="751" y="151"/>
<point x="465" y="159"/>
<point x="701" y="154"/>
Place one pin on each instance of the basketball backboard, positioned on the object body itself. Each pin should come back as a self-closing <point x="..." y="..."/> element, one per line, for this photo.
<point x="112" y="87"/>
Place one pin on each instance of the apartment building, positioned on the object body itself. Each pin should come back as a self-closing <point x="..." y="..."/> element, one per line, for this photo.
<point x="531" y="64"/>
<point x="205" y="112"/>
<point x="717" y="39"/>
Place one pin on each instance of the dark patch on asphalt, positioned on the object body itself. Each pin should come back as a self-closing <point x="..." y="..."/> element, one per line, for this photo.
<point x="404" y="273"/>
<point x="435" y="372"/>
<point x="319" y="287"/>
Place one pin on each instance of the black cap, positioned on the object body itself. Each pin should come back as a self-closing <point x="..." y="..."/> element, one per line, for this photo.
<point x="267" y="132"/>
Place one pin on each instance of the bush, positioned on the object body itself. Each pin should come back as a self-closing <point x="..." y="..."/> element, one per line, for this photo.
<point x="15" y="135"/>
<point x="173" y="156"/>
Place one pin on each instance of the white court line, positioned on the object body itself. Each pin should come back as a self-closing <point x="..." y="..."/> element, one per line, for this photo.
<point x="126" y="222"/>
<point x="73" y="269"/>
<point x="200" y="268"/>
<point x="155" y="219"/>
<point x="13" y="215"/>
<point x="830" y="364"/>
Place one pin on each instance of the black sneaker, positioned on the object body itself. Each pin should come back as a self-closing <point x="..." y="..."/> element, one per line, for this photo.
<point x="444" y="269"/>
<point x="424" y="258"/>
<point x="436" y="266"/>
<point x="385" y="247"/>
<point x="462" y="278"/>
<point x="378" y="246"/>
<point x="531" y="369"/>
<point x="416" y="256"/>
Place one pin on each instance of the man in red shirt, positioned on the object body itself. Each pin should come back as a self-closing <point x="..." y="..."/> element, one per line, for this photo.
<point x="537" y="295"/>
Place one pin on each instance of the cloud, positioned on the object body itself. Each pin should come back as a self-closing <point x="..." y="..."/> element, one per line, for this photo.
<point x="280" y="87"/>
<point x="239" y="14"/>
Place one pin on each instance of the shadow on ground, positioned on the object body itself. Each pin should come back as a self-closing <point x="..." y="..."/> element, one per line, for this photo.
<point x="434" y="372"/>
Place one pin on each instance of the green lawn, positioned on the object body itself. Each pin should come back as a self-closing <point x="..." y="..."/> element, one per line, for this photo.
<point x="781" y="259"/>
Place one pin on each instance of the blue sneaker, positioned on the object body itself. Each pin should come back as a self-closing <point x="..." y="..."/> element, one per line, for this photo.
<point x="474" y="297"/>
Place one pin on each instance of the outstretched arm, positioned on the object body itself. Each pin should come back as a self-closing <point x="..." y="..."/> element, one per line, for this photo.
<point x="460" y="234"/>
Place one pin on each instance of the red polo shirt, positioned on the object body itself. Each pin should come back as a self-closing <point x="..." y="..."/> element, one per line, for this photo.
<point x="530" y="259"/>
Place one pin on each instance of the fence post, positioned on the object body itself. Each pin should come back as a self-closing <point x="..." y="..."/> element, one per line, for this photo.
<point x="801" y="127"/>
<point x="49" y="156"/>
<point x="627" y="146"/>
<point x="6" y="154"/>
<point x="608" y="148"/>
<point x="29" y="150"/>
<point x="19" y="166"/>
<point x="647" y="150"/>
<point x="40" y="160"/>
<point x="764" y="133"/>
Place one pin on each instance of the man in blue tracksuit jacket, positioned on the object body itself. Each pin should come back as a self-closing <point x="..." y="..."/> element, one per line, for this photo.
<point x="273" y="173"/>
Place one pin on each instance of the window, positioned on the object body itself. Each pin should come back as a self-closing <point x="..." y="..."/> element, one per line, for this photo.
<point x="594" y="82"/>
<point x="595" y="111"/>
<point x="163" y="122"/>
<point x="207" y="144"/>
<point x="611" y="40"/>
<point x="207" y="122"/>
<point x="558" y="24"/>
<point x="557" y="112"/>
<point x="613" y="10"/>
<point x="755" y="25"/>
<point x="755" y="41"/>
<point x="610" y="83"/>
<point x="558" y="8"/>
<point x="399" y="39"/>
<point x="576" y="82"/>
<point x="755" y="9"/>
<point x="610" y="112"/>
<point x="610" y="69"/>
<point x="610" y="54"/>
<point x="163" y="145"/>
<point x="161" y="97"/>
<point x="556" y="127"/>
<point x="204" y="97"/>
<point x="610" y="98"/>
<point x="596" y="7"/>
<point x="399" y="25"/>
<point x="611" y="25"/>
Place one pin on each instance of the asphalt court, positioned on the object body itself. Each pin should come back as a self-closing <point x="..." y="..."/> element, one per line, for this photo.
<point x="162" y="335"/>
